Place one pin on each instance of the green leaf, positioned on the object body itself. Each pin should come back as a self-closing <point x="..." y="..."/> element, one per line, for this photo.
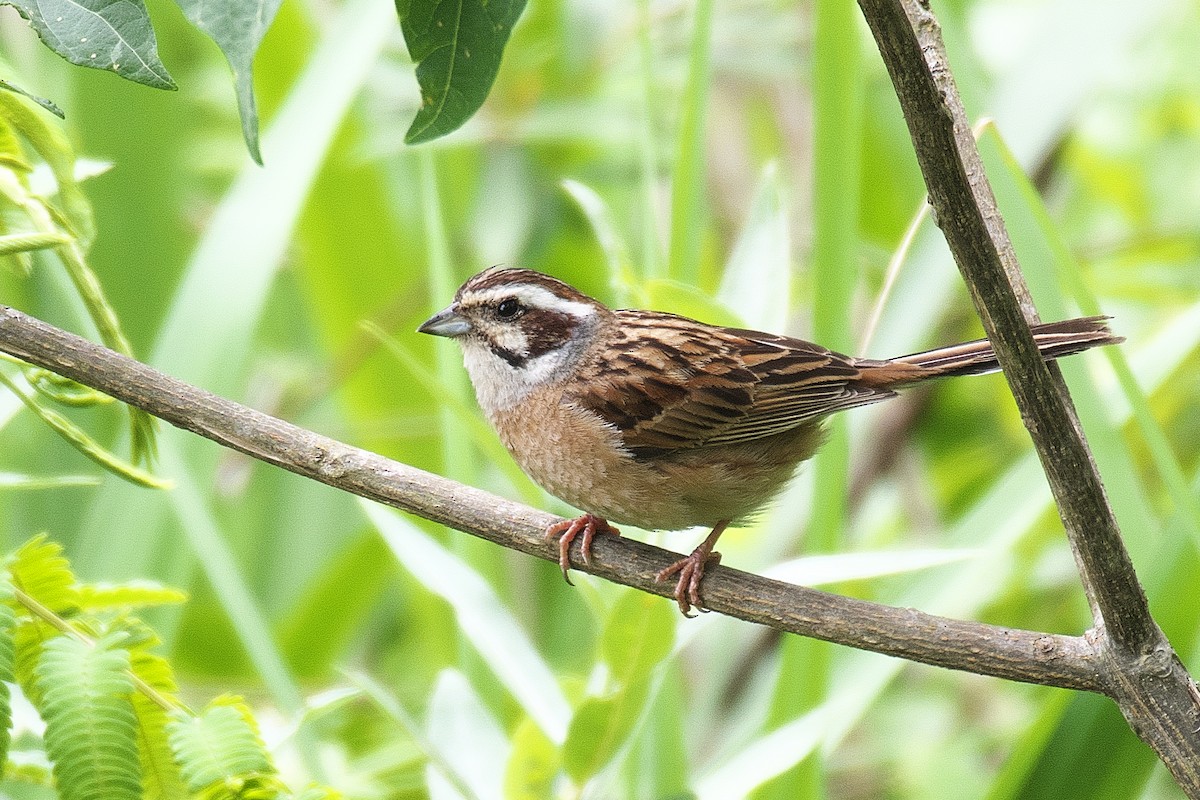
<point x="11" y="481"/>
<point x="104" y="34"/>
<point x="765" y="757"/>
<point x="468" y="739"/>
<point x="598" y="730"/>
<point x="237" y="28"/>
<point x="220" y="748"/>
<point x="532" y="765"/>
<point x="49" y="105"/>
<point x="310" y="637"/>
<point x="639" y="634"/>
<point x="91" y="733"/>
<point x="131" y="594"/>
<point x="317" y="793"/>
<point x="54" y="146"/>
<point x="457" y="45"/>
<point x="485" y="621"/>
<point x="64" y="391"/>
<point x="8" y="626"/>
<point x="39" y="569"/>
<point x="161" y="778"/>
<point x="85" y="444"/>
<point x="27" y="242"/>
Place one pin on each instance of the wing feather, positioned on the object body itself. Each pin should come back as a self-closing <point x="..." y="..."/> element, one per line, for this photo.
<point x="691" y="385"/>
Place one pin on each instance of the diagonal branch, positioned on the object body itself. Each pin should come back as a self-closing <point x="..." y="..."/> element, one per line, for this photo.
<point x="1155" y="692"/>
<point x="965" y="209"/>
<point x="1069" y="662"/>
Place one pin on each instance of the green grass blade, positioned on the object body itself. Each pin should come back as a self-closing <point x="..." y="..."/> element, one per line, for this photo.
<point x="688" y="179"/>
<point x="484" y="620"/>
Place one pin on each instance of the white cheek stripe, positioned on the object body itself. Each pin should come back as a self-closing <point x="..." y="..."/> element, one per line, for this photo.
<point x="512" y="339"/>
<point x="537" y="297"/>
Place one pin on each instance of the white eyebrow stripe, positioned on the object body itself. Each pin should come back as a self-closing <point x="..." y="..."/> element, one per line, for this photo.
<point x="535" y="297"/>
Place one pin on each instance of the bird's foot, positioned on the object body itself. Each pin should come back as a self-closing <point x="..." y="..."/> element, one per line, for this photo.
<point x="569" y="529"/>
<point x="691" y="571"/>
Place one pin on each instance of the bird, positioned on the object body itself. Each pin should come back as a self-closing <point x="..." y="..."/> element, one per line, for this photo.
<point x="662" y="422"/>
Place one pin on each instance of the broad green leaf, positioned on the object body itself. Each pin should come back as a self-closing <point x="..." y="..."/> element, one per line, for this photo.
<point x="317" y="793"/>
<point x="104" y="34"/>
<point x="237" y="28"/>
<point x="684" y="299"/>
<point x="310" y="637"/>
<point x="764" y="758"/>
<point x="598" y="730"/>
<point x="840" y="567"/>
<point x="639" y="634"/>
<point x="457" y="45"/>
<point x="433" y="757"/>
<point x="757" y="279"/>
<point x="608" y="235"/>
<point x="688" y="183"/>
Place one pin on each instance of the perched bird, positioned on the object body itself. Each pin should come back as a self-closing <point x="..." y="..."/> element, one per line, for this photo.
<point x="663" y="422"/>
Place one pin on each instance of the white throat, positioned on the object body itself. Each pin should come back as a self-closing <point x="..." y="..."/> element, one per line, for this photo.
<point x="499" y="385"/>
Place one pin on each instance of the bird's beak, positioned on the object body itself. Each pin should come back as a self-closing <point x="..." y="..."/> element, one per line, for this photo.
<point x="446" y="322"/>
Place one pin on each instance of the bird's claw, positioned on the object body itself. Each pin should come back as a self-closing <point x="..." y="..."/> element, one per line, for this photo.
<point x="568" y="530"/>
<point x="691" y="572"/>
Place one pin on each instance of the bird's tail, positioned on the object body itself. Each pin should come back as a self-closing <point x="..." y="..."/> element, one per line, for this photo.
<point x="1054" y="340"/>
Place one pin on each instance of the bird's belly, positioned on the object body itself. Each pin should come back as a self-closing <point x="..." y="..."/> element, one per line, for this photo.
<point x="579" y="459"/>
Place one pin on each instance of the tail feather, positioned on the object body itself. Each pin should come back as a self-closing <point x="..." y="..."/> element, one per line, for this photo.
<point x="1054" y="340"/>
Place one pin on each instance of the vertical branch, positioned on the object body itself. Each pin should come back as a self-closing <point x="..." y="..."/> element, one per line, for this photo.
<point x="965" y="208"/>
<point x="1149" y="683"/>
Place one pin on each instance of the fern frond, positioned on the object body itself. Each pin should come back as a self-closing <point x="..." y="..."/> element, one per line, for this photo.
<point x="86" y="690"/>
<point x="8" y="630"/>
<point x="133" y="594"/>
<point x="220" y="753"/>
<point x="161" y="778"/>
<point x="39" y="569"/>
<point x="30" y="636"/>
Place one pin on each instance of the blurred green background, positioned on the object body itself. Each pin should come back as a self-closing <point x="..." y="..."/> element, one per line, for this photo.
<point x="740" y="162"/>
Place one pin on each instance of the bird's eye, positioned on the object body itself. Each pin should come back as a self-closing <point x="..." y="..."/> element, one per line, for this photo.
<point x="508" y="309"/>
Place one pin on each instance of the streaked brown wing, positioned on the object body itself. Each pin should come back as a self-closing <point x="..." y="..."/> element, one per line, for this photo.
<point x="691" y="385"/>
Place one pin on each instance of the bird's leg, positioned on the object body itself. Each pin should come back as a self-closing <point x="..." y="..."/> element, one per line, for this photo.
<point x="566" y="531"/>
<point x="691" y="570"/>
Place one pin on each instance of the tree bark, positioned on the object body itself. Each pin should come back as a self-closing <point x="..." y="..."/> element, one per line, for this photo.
<point x="1147" y="679"/>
